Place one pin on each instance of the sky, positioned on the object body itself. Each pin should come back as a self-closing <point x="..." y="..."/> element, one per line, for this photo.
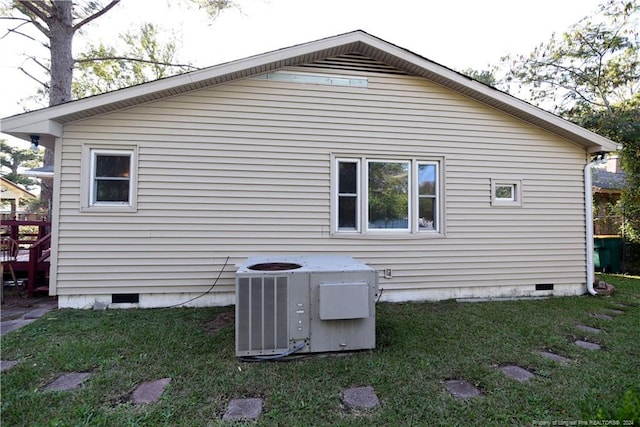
<point x="458" y="34"/>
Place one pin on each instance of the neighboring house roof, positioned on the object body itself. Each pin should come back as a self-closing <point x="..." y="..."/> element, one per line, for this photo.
<point x="48" y="122"/>
<point x="12" y="191"/>
<point x="608" y="181"/>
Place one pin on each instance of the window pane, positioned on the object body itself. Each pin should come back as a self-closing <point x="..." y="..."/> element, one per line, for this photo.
<point x="112" y="191"/>
<point x="427" y="213"/>
<point x="504" y="192"/>
<point x="388" y="195"/>
<point x="348" y="179"/>
<point x="427" y="180"/>
<point x="347" y="210"/>
<point x="113" y="166"/>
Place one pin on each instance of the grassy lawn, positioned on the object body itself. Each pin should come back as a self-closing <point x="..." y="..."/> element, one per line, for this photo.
<point x="420" y="346"/>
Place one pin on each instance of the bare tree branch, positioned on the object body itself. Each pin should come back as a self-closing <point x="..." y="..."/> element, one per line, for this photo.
<point x="37" y="13"/>
<point x="15" y="30"/>
<point x="46" y="86"/>
<point x="39" y="8"/>
<point x="44" y="67"/>
<point x="124" y="58"/>
<point x="96" y="15"/>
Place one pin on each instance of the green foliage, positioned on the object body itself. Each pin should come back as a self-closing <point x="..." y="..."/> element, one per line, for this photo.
<point x="103" y="68"/>
<point x="592" y="66"/>
<point x="13" y="158"/>
<point x="591" y="76"/>
<point x="627" y="411"/>
<point x="487" y="77"/>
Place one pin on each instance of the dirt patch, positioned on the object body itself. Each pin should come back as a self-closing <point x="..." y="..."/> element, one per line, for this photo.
<point x="222" y="320"/>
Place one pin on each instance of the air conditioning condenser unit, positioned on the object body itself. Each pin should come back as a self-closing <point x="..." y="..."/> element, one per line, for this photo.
<point x="306" y="304"/>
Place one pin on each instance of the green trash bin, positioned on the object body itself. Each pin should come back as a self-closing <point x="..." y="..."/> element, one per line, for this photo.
<point x="607" y="254"/>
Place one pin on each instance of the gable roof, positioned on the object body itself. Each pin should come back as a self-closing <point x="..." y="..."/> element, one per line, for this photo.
<point x="48" y="122"/>
<point x="11" y="191"/>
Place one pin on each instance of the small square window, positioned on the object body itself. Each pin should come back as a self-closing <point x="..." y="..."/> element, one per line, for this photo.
<point x="109" y="178"/>
<point x="506" y="192"/>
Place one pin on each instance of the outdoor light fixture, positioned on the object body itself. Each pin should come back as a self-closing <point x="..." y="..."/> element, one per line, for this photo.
<point x="35" y="142"/>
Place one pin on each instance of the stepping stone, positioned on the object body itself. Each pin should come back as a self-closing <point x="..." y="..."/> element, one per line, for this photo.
<point x="588" y="329"/>
<point x="243" y="409"/>
<point x="602" y="316"/>
<point x="588" y="345"/>
<point x="461" y="389"/>
<point x="616" y="311"/>
<point x="149" y="392"/>
<point x="517" y="373"/>
<point x="621" y="305"/>
<point x="554" y="357"/>
<point x="360" y="398"/>
<point x="5" y="365"/>
<point x="68" y="381"/>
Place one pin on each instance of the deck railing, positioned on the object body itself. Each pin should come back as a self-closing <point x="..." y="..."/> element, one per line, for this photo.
<point x="33" y="236"/>
<point x="25" y="232"/>
<point x="38" y="255"/>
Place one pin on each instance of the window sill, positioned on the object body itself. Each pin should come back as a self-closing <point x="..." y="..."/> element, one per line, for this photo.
<point x="109" y="209"/>
<point x="388" y="235"/>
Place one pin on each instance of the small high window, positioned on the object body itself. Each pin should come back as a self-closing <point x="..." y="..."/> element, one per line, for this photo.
<point x="506" y="192"/>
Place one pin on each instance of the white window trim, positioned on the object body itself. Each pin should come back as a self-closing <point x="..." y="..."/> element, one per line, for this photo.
<point x="516" y="184"/>
<point x="87" y="188"/>
<point x="414" y="231"/>
<point x="437" y="223"/>
<point x="336" y="193"/>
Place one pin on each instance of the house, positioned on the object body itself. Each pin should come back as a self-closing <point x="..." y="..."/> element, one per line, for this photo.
<point x="344" y="145"/>
<point x="13" y="193"/>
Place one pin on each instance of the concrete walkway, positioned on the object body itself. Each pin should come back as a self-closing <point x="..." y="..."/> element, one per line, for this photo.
<point x="17" y="312"/>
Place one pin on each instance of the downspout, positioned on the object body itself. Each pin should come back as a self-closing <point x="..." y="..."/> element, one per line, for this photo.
<point x="588" y="202"/>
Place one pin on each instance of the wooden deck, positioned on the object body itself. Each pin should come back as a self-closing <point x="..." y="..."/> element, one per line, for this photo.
<point x="32" y="263"/>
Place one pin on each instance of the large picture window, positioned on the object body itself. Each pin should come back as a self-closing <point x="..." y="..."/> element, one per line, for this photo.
<point x="386" y="195"/>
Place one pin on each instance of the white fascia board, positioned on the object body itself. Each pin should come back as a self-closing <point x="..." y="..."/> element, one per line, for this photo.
<point x="22" y="128"/>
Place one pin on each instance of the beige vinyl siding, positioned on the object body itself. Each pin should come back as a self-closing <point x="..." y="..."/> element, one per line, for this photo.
<point x="245" y="168"/>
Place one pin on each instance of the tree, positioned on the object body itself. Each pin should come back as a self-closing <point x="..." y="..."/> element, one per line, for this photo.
<point x="59" y="21"/>
<point x="14" y="158"/>
<point x="487" y="77"/>
<point x="591" y="76"/>
<point x="102" y="68"/>
<point x="592" y="66"/>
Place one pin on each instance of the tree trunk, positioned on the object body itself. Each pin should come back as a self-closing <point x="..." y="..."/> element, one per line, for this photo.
<point x="61" y="42"/>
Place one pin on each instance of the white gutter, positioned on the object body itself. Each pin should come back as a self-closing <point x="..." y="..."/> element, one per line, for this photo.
<point x="588" y="202"/>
